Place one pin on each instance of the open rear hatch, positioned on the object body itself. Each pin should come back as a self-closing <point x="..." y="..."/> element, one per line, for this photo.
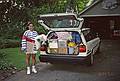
<point x="60" y="21"/>
<point x="64" y="28"/>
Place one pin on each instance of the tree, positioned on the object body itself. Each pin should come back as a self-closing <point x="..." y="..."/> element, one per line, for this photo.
<point x="15" y="13"/>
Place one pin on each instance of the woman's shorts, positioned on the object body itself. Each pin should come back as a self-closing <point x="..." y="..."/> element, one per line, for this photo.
<point x="31" y="48"/>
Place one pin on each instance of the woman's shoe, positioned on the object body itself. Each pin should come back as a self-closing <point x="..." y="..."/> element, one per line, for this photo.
<point x="28" y="70"/>
<point x="34" y="69"/>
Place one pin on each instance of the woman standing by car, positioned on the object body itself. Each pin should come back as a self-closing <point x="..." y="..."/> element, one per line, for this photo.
<point x="28" y="46"/>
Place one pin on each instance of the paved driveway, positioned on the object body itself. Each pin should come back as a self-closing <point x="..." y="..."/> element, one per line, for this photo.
<point x="106" y="68"/>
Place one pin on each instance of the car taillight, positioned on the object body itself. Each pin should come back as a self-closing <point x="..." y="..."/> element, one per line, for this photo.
<point x="43" y="48"/>
<point x="82" y="48"/>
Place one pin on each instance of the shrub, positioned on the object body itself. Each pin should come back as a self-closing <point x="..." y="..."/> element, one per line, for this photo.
<point x="9" y="43"/>
<point x="4" y="63"/>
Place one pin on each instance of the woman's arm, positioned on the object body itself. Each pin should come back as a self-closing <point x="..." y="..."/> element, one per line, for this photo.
<point x="24" y="42"/>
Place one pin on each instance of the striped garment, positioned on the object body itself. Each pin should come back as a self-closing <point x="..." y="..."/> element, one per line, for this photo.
<point x="28" y="38"/>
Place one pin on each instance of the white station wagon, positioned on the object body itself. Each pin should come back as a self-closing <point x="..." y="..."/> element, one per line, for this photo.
<point x="67" y="40"/>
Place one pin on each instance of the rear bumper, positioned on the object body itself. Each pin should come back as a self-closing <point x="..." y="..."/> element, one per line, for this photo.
<point x="54" y="58"/>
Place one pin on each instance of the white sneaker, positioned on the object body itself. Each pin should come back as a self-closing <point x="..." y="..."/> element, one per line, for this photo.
<point x="28" y="70"/>
<point x="34" y="69"/>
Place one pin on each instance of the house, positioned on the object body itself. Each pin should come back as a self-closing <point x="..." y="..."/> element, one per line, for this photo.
<point x="103" y="16"/>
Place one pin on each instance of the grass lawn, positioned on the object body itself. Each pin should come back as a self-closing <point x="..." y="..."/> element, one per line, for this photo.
<point x="16" y="58"/>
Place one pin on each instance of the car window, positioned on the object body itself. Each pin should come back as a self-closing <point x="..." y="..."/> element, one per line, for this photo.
<point x="61" y="21"/>
<point x="90" y="36"/>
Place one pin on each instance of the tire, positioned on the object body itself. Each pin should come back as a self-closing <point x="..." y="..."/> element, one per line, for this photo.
<point x="90" y="60"/>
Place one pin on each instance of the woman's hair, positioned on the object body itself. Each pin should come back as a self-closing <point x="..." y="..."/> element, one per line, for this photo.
<point x="28" y="23"/>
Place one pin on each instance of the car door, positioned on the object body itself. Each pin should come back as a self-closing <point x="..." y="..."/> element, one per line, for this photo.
<point x="92" y="42"/>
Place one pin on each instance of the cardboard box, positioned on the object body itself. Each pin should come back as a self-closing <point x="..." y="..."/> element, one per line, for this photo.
<point x="53" y="43"/>
<point x="63" y="50"/>
<point x="76" y="50"/>
<point x="62" y="43"/>
<point x="73" y="50"/>
<point x="70" y="50"/>
<point x="52" y="50"/>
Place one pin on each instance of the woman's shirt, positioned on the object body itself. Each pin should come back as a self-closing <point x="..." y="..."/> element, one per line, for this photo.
<point x="28" y="36"/>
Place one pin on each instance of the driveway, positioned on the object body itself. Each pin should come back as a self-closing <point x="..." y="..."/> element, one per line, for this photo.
<point x="106" y="68"/>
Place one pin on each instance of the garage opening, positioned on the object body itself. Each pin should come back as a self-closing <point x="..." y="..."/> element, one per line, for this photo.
<point x="107" y="27"/>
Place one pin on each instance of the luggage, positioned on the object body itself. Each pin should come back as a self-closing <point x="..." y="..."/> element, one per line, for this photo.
<point x="71" y="44"/>
<point x="53" y="50"/>
<point x="53" y="43"/>
<point x="64" y="35"/>
<point x="53" y="46"/>
<point x="62" y="43"/>
<point x="70" y="50"/>
<point x="63" y="51"/>
<point x="75" y="37"/>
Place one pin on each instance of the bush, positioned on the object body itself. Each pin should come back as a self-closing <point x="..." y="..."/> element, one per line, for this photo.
<point x="9" y="43"/>
<point x="4" y="63"/>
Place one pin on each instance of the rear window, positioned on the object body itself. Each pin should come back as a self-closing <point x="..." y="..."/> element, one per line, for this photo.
<point x="61" y="21"/>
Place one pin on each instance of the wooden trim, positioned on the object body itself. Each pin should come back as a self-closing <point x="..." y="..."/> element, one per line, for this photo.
<point x="100" y="15"/>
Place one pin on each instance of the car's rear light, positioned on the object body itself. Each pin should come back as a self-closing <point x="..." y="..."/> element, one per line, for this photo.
<point x="82" y="48"/>
<point x="43" y="48"/>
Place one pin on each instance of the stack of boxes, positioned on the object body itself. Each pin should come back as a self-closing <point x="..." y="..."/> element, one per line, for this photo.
<point x="62" y="47"/>
<point x="58" y="46"/>
<point x="53" y="46"/>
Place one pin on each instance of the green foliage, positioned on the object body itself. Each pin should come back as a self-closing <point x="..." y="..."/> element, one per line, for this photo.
<point x="15" y="13"/>
<point x="4" y="63"/>
<point x="15" y="57"/>
<point x="7" y="43"/>
<point x="81" y="4"/>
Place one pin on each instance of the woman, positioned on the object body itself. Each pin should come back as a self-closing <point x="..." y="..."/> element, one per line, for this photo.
<point x="28" y="46"/>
